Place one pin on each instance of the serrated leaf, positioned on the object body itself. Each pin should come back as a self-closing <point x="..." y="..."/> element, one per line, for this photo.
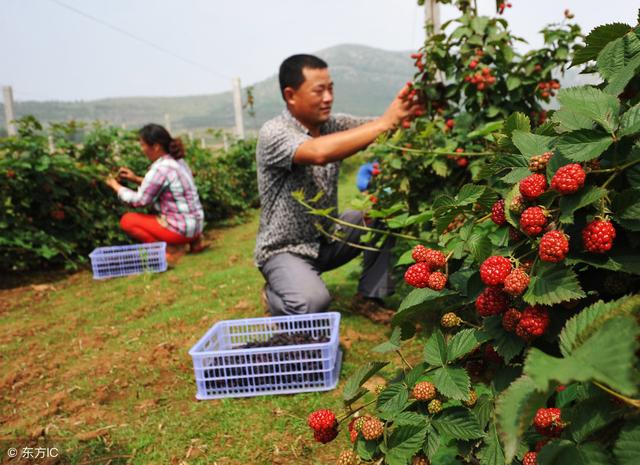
<point x="592" y="103"/>
<point x="589" y="416"/>
<point x="403" y="443"/>
<point x="463" y="342"/>
<point x="627" y="447"/>
<point x="492" y="453"/>
<point x="422" y="300"/>
<point x="393" y="399"/>
<point x="581" y="326"/>
<point x="517" y="121"/>
<point x="435" y="350"/>
<point x="626" y="207"/>
<point x="622" y="77"/>
<point x="452" y="382"/>
<point x="479" y="245"/>
<point x="366" y="449"/>
<point x="583" y="144"/>
<point x="569" y="204"/>
<point x="515" y="409"/>
<point x="458" y="423"/>
<point x="608" y="357"/>
<point x="565" y="452"/>
<point x="511" y="218"/>
<point x="411" y="418"/>
<point x="515" y="175"/>
<point x="507" y="344"/>
<point x="469" y="194"/>
<point x="392" y="344"/>
<point x="513" y="82"/>
<point x="616" y="54"/>
<point x="531" y="144"/>
<point x="552" y="284"/>
<point x="597" y="39"/>
<point x="483" y="410"/>
<point x="621" y="259"/>
<point x="630" y="121"/>
<point x="361" y="375"/>
<point x="568" y="120"/>
<point x="415" y="374"/>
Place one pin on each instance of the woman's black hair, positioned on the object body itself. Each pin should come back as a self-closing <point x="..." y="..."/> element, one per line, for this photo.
<point x="153" y="134"/>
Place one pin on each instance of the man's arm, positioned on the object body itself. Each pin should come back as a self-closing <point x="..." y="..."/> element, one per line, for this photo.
<point x="340" y="145"/>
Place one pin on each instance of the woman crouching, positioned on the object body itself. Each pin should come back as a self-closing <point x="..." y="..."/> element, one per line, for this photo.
<point x="169" y="186"/>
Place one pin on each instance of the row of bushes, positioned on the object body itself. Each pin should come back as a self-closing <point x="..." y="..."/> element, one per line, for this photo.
<point x="56" y="207"/>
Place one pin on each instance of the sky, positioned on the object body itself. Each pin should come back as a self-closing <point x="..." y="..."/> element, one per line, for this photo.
<point x="91" y="49"/>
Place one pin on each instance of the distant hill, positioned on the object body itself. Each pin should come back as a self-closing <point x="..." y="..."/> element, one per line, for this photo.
<point x="366" y="79"/>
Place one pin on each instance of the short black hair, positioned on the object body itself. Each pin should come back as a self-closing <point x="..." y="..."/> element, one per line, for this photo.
<point x="290" y="74"/>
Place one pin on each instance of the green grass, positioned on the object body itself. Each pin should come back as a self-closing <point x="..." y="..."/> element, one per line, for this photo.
<point x="110" y="358"/>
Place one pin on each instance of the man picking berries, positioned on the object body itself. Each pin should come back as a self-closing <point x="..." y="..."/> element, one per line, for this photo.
<point x="301" y="149"/>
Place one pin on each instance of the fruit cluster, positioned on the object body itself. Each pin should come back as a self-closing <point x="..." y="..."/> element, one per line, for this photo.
<point x="546" y="89"/>
<point x="481" y="79"/>
<point x="422" y="274"/>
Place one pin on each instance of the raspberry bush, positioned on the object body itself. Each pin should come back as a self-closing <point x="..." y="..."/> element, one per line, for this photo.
<point x="535" y="356"/>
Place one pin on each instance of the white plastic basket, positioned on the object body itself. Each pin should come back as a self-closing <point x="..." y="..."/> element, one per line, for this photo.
<point x="223" y="368"/>
<point x="124" y="260"/>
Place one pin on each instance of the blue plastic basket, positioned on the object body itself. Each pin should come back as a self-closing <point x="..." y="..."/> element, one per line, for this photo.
<point x="223" y="369"/>
<point x="124" y="260"/>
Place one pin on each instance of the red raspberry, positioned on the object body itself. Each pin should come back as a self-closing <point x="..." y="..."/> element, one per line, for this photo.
<point x="510" y="319"/>
<point x="437" y="281"/>
<point x="450" y="123"/>
<point x="372" y="429"/>
<point x="533" y="323"/>
<point x="435" y="258"/>
<point x="462" y="162"/>
<point x="492" y="301"/>
<point x="568" y="179"/>
<point x="533" y="186"/>
<point x="548" y="422"/>
<point x="325" y="435"/>
<point x="514" y="234"/>
<point x="348" y="457"/>
<point x="322" y="419"/>
<point x="554" y="247"/>
<point x="494" y="270"/>
<point x="530" y="458"/>
<point x="419" y="253"/>
<point x="353" y="435"/>
<point x="497" y="213"/>
<point x="517" y="282"/>
<point x="417" y="275"/>
<point x="598" y="236"/>
<point x="540" y="444"/>
<point x="533" y="220"/>
<point x="424" y="390"/>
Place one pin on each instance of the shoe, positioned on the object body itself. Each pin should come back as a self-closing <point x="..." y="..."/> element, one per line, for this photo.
<point x="174" y="254"/>
<point x="372" y="308"/>
<point x="197" y="245"/>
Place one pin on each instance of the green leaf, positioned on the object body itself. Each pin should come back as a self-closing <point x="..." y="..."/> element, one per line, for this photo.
<point x="565" y="452"/>
<point x="435" y="350"/>
<point x="581" y="326"/>
<point x="597" y="39"/>
<point x="552" y="284"/>
<point x="403" y="444"/>
<point x="507" y="344"/>
<point x="452" y="382"/>
<point x="479" y="245"/>
<point x="392" y="344"/>
<point x="592" y="103"/>
<point x="517" y="121"/>
<point x="469" y="194"/>
<point x="583" y="144"/>
<point x="463" y="342"/>
<point x="616" y="54"/>
<point x="514" y="410"/>
<point x="513" y="82"/>
<point x="357" y="379"/>
<point x="366" y="449"/>
<point x="627" y="448"/>
<point x="422" y="300"/>
<point x="515" y="175"/>
<point x="622" y="77"/>
<point x="589" y="416"/>
<point x="531" y="144"/>
<point x="569" y="204"/>
<point x="492" y="453"/>
<point x="626" y="208"/>
<point x="608" y="357"/>
<point x="630" y="121"/>
<point x="458" y="423"/>
<point x="411" y="418"/>
<point x="393" y="399"/>
<point x="569" y="120"/>
<point x="488" y="128"/>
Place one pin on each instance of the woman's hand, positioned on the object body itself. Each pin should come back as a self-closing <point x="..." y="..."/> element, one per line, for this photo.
<point x="113" y="184"/>
<point x="125" y="174"/>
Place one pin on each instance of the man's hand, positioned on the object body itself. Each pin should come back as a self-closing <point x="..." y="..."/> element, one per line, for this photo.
<point x="401" y="108"/>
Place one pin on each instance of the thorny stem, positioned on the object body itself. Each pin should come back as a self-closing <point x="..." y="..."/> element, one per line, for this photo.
<point x="434" y="152"/>
<point x="484" y="218"/>
<point x="627" y="400"/>
<point x="351" y="413"/>
<point x="471" y="324"/>
<point x="404" y="360"/>
<point x="617" y="171"/>
<point x="357" y="226"/>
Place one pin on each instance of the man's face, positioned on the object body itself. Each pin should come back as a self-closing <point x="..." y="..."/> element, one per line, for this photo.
<point x="311" y="102"/>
